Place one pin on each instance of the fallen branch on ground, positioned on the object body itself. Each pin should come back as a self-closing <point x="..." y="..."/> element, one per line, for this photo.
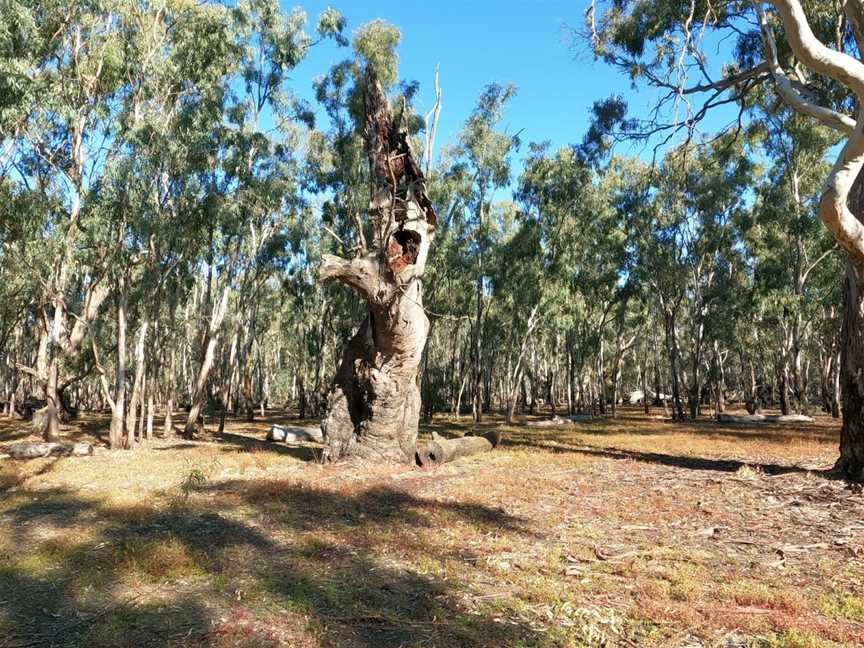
<point x="562" y="420"/>
<point x="440" y="450"/>
<point x="29" y="450"/>
<point x="762" y="418"/>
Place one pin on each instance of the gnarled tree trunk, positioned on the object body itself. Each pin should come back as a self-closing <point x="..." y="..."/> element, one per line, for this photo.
<point x="373" y="407"/>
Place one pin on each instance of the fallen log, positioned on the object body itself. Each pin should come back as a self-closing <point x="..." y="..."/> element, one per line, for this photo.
<point x="789" y="418"/>
<point x="292" y="434"/>
<point x="439" y="450"/>
<point x="555" y="420"/>
<point x="562" y="420"/>
<point x="762" y="418"/>
<point x="28" y="450"/>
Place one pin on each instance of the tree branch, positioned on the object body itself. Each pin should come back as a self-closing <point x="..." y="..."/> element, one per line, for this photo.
<point x="813" y="53"/>
<point x="363" y="274"/>
<point x="787" y="90"/>
<point x="854" y="11"/>
<point x="833" y="208"/>
<point x="92" y="303"/>
<point x="28" y="370"/>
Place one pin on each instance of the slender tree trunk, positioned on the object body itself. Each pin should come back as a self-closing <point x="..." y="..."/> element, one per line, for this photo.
<point x="137" y="383"/>
<point x="672" y="347"/>
<point x="118" y="411"/>
<point x="645" y="403"/>
<point x="782" y="387"/>
<point x="168" y="423"/>
<point x="199" y="392"/>
<point x="478" y="328"/>
<point x="837" y="396"/>
<point x="150" y="407"/>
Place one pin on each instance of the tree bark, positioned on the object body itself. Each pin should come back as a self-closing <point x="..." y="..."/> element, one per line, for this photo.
<point x="851" y="460"/>
<point x="440" y="450"/>
<point x="373" y="407"/>
<point x="118" y="403"/>
<point x="200" y="389"/>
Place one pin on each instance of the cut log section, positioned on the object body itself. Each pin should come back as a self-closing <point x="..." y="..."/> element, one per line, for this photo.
<point x="439" y="450"/>
<point x="27" y="450"/>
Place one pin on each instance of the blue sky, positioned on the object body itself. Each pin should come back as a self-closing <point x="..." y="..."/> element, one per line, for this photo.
<point x="476" y="42"/>
<point x="525" y="42"/>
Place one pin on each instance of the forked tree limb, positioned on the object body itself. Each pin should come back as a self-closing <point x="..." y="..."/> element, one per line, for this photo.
<point x="819" y="58"/>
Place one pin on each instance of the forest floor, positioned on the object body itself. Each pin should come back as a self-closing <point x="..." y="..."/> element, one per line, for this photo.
<point x="628" y="532"/>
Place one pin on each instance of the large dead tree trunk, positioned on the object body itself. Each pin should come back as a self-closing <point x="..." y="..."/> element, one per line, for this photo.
<point x="373" y="407"/>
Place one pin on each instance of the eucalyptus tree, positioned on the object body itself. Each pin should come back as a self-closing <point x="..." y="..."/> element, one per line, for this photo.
<point x="713" y="181"/>
<point x="484" y="164"/>
<point x="449" y="270"/>
<point x="809" y="55"/>
<point x="581" y="257"/>
<point x="252" y="187"/>
<point x="77" y="79"/>
<point x="373" y="405"/>
<point x="785" y="240"/>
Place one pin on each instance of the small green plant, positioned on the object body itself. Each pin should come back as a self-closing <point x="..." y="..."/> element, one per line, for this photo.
<point x="194" y="479"/>
<point x="197" y="476"/>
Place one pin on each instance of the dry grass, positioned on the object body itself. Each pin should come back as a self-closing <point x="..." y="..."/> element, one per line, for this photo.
<point x="627" y="532"/>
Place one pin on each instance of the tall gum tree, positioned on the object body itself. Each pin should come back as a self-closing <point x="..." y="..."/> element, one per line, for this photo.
<point x="810" y="54"/>
<point x="373" y="407"/>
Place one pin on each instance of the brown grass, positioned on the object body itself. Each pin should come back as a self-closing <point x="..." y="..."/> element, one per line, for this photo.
<point x="630" y="532"/>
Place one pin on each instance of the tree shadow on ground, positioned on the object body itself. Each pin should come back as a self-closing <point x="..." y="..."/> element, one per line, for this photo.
<point x="343" y="566"/>
<point x="633" y="424"/>
<point x="690" y="463"/>
<point x="91" y="428"/>
<point x="243" y="443"/>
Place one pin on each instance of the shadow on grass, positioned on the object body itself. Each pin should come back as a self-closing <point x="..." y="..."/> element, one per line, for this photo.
<point x="241" y="442"/>
<point x="690" y="463"/>
<point x="343" y="566"/>
<point x="632" y="423"/>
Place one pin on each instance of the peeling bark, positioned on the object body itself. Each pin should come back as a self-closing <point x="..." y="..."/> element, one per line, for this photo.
<point x="373" y="407"/>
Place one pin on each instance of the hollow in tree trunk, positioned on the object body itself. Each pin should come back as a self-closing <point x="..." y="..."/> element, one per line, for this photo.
<point x="373" y="407"/>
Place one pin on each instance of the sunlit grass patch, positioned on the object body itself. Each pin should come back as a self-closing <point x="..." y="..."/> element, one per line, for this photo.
<point x="764" y="594"/>
<point x="160" y="559"/>
<point x="688" y="583"/>
<point x="796" y="639"/>
<point x="843" y="606"/>
<point x="505" y="549"/>
<point x="11" y="475"/>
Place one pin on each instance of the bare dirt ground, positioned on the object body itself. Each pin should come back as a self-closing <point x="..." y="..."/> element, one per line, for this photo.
<point x="627" y="532"/>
